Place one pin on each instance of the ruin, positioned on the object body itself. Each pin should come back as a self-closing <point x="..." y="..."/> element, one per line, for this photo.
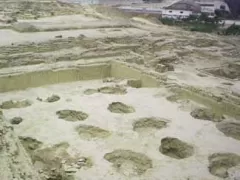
<point x="91" y="91"/>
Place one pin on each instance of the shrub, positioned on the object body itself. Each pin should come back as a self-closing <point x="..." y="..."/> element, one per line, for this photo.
<point x="232" y="30"/>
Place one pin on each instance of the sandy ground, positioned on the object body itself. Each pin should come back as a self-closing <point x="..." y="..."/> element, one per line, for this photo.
<point x="178" y="58"/>
<point x="9" y="36"/>
<point x="41" y="122"/>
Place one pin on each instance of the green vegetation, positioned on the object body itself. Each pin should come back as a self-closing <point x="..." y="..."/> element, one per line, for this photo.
<point x="232" y="30"/>
<point x="203" y="23"/>
<point x="200" y="23"/>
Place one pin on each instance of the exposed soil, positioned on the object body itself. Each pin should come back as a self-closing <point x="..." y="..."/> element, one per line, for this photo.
<point x="90" y="91"/>
<point x="90" y="132"/>
<point x="231" y="71"/>
<point x="219" y="163"/>
<point x="118" y="107"/>
<point x="230" y="129"/>
<point x="207" y="114"/>
<point x="16" y="120"/>
<point x="72" y="115"/>
<point x="49" y="162"/>
<point x="107" y="90"/>
<point x="171" y="55"/>
<point x="24" y="27"/>
<point x="151" y="122"/>
<point x="112" y="90"/>
<point x="111" y="80"/>
<point x="123" y="159"/>
<point x="30" y="144"/>
<point x="14" y="161"/>
<point x="175" y="148"/>
<point x="15" y="104"/>
<point x="135" y="83"/>
<point x="53" y="98"/>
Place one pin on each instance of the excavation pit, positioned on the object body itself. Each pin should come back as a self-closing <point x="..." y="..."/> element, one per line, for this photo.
<point x="119" y="107"/>
<point x="123" y="159"/>
<point x="30" y="144"/>
<point x="207" y="114"/>
<point x="15" y="104"/>
<point x="25" y="77"/>
<point x="107" y="90"/>
<point x="149" y="123"/>
<point x="90" y="132"/>
<point x="71" y="115"/>
<point x="175" y="148"/>
<point x="220" y="163"/>
<point x="230" y="129"/>
<point x="67" y="113"/>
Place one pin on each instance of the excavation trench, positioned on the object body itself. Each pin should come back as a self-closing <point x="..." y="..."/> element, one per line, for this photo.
<point x="24" y="78"/>
<point x="38" y="76"/>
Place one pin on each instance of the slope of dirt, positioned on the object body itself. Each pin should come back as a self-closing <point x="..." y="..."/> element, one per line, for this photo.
<point x="14" y="161"/>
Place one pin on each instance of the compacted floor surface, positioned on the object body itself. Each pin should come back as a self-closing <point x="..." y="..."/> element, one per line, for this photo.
<point x="186" y="127"/>
<point x="108" y="130"/>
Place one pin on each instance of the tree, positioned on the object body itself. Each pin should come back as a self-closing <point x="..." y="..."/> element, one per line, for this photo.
<point x="234" y="6"/>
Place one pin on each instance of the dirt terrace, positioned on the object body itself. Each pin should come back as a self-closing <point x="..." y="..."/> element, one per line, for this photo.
<point x="182" y="94"/>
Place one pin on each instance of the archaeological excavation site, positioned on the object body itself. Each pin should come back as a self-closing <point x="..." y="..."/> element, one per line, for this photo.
<point x="88" y="92"/>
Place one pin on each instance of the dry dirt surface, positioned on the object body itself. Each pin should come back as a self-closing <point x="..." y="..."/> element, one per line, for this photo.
<point x="117" y="127"/>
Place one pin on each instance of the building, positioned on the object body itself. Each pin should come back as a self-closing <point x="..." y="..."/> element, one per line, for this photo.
<point x="181" y="9"/>
<point x="175" y="14"/>
<point x="209" y="7"/>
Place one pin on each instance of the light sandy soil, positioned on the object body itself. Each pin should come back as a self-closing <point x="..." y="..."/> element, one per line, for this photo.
<point x="205" y="64"/>
<point x="41" y="122"/>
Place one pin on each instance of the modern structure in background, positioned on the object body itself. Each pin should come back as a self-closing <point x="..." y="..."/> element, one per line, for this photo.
<point x="181" y="9"/>
<point x="169" y="8"/>
<point x="210" y="7"/>
<point x="234" y="6"/>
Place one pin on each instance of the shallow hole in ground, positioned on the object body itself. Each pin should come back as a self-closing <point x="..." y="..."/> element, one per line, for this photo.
<point x="119" y="107"/>
<point x="107" y="90"/>
<point x="149" y="123"/>
<point x="91" y="132"/>
<point x="15" y="104"/>
<point x="220" y="163"/>
<point x="72" y="115"/>
<point x="55" y="162"/>
<point x="129" y="162"/>
<point x="50" y="99"/>
<point x="30" y="144"/>
<point x="207" y="114"/>
<point x="175" y="148"/>
<point x="16" y="120"/>
<point x="230" y="129"/>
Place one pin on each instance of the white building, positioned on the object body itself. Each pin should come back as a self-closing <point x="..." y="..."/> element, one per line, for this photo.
<point x="181" y="9"/>
<point x="209" y="7"/>
<point x="175" y="14"/>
